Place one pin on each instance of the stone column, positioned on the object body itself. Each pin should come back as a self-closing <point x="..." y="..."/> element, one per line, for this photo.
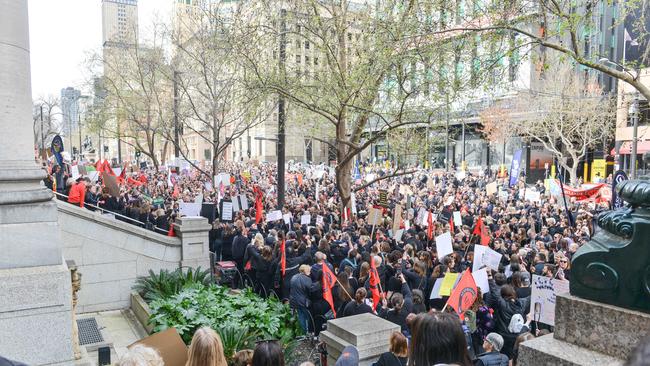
<point x="193" y="232"/>
<point x="35" y="286"/>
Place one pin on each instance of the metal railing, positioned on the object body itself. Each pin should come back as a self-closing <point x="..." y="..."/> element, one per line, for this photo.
<point x="126" y="218"/>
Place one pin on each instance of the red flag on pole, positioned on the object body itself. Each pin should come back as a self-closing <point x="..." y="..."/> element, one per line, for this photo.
<point x="176" y="192"/>
<point x="258" y="204"/>
<point x="430" y="226"/>
<point x="481" y="230"/>
<point x="374" y="283"/>
<point x="477" y="228"/>
<point x="123" y="172"/>
<point x="328" y="283"/>
<point x="283" y="257"/>
<point x="464" y="294"/>
<point x="451" y="225"/>
<point x="107" y="168"/>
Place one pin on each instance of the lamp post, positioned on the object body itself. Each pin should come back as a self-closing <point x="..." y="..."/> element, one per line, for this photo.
<point x="42" y="134"/>
<point x="634" y="113"/>
<point x="177" y="150"/>
<point x="281" y="108"/>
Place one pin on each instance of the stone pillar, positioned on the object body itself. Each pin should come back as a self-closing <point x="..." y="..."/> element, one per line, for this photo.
<point x="193" y="232"/>
<point x="35" y="286"/>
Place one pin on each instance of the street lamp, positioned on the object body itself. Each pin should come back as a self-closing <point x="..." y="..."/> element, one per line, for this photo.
<point x="605" y="60"/>
<point x="633" y="111"/>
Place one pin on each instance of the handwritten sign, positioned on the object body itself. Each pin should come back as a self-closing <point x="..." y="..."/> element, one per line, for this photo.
<point x="542" y="299"/>
<point x="485" y="256"/>
<point x="274" y="216"/>
<point x="305" y="219"/>
<point x="443" y="245"/>
<point x="287" y="218"/>
<point x="374" y="216"/>
<point x="226" y="211"/>
<point x="189" y="208"/>
<point x="319" y="220"/>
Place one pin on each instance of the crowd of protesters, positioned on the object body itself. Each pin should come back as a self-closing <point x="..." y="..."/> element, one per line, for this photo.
<point x="292" y="259"/>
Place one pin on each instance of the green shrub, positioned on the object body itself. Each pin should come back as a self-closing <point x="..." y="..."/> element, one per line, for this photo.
<point x="239" y="318"/>
<point x="166" y="284"/>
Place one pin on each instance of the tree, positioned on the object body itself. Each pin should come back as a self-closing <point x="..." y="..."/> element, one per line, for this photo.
<point x="495" y="122"/>
<point x="362" y="64"/>
<point x="137" y="106"/>
<point x="214" y="103"/>
<point x="45" y="126"/>
<point x="567" y="114"/>
<point x="566" y="27"/>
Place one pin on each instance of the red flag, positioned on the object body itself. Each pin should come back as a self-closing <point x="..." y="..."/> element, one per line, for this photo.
<point x="478" y="227"/>
<point x="328" y="283"/>
<point x="107" y="168"/>
<point x="283" y="257"/>
<point x="464" y="294"/>
<point x="175" y="193"/>
<point x="99" y="166"/>
<point x="258" y="204"/>
<point x="171" y="231"/>
<point x="451" y="225"/>
<point x="123" y="172"/>
<point x="430" y="226"/>
<point x="374" y="283"/>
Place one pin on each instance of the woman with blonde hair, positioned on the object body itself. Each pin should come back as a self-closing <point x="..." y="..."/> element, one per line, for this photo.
<point x="206" y="349"/>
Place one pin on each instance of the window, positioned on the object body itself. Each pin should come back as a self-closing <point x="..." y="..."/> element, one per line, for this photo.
<point x="297" y="59"/>
<point x="316" y="61"/>
<point x="306" y="45"/>
<point x="307" y="60"/>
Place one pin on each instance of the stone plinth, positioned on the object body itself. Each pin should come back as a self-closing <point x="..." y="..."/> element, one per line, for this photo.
<point x="369" y="333"/>
<point x="587" y="333"/>
<point x="195" y="250"/>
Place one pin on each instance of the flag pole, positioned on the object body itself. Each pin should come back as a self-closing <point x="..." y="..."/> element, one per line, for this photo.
<point x="346" y="291"/>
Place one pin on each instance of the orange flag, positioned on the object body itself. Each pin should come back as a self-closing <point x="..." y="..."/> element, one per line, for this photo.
<point x="328" y="283"/>
<point x="283" y="257"/>
<point x="430" y="226"/>
<point x="464" y="294"/>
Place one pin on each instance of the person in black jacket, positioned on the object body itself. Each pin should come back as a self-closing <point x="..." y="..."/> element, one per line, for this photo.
<point x="358" y="306"/>
<point x="262" y="260"/>
<point x="397" y="354"/>
<point x="299" y="296"/>
<point x="506" y="304"/>
<point x="492" y="357"/>
<point x="239" y="245"/>
<point x="401" y="306"/>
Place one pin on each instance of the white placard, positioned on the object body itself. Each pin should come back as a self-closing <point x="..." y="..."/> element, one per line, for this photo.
<point x="75" y="172"/>
<point x="243" y="201"/>
<point x="198" y="198"/>
<point x="461" y="175"/>
<point x="189" y="208"/>
<point x="370" y="177"/>
<point x="484" y="256"/>
<point x="319" y="220"/>
<point x="222" y="178"/>
<point x="532" y="196"/>
<point x="458" y="221"/>
<point x="422" y="217"/>
<point x="93" y="175"/>
<point x="491" y="188"/>
<point x="117" y="171"/>
<point x="353" y="203"/>
<point x="305" y="219"/>
<point x="542" y="298"/>
<point x="407" y="225"/>
<point x="503" y="195"/>
<point x="435" y="293"/>
<point x="399" y="234"/>
<point x="443" y="245"/>
<point x="287" y="218"/>
<point x="235" y="204"/>
<point x="274" y="216"/>
<point x="481" y="279"/>
<point x="226" y="211"/>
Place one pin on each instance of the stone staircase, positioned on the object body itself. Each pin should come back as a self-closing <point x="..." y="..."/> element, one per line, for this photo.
<point x="586" y="333"/>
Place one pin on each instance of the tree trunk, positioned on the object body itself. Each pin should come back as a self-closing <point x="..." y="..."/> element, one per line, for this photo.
<point x="344" y="183"/>
<point x="574" y="172"/>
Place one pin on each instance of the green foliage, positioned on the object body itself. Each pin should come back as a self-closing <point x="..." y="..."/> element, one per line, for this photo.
<point x="166" y="284"/>
<point x="240" y="319"/>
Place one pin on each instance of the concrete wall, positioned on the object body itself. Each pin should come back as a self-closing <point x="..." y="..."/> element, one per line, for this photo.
<point x="111" y="254"/>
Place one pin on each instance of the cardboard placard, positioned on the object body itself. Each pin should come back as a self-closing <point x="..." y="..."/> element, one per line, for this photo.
<point x="542" y="298"/>
<point x="110" y="182"/>
<point x="491" y="188"/>
<point x="169" y="345"/>
<point x="397" y="218"/>
<point x="374" y="216"/>
<point x="243" y="202"/>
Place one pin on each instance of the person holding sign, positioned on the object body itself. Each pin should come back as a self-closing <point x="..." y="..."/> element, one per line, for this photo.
<point x="506" y="306"/>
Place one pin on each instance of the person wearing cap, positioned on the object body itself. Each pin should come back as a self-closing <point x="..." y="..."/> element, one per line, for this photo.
<point x="492" y="357"/>
<point x="349" y="357"/>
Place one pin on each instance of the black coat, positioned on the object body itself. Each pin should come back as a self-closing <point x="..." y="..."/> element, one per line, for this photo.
<point x="353" y="308"/>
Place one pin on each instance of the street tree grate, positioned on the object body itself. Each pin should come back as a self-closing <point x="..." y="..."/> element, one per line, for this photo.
<point x="89" y="331"/>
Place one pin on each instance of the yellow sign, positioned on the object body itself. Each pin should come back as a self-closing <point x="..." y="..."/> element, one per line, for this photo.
<point x="598" y="169"/>
<point x="448" y="283"/>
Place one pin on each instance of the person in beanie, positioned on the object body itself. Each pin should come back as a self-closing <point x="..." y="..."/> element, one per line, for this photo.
<point x="349" y="357"/>
<point x="492" y="357"/>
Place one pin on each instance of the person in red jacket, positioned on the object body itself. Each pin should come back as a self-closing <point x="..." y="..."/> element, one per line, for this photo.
<point x="78" y="192"/>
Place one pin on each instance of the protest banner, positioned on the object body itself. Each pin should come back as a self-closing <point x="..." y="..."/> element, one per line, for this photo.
<point x="287" y="218"/>
<point x="491" y="188"/>
<point x="374" y="216"/>
<point x="226" y="210"/>
<point x="444" y="245"/>
<point x="305" y="219"/>
<point x="189" y="208"/>
<point x="458" y="220"/>
<point x="448" y="283"/>
<point x="274" y="216"/>
<point x="320" y="220"/>
<point x="397" y="218"/>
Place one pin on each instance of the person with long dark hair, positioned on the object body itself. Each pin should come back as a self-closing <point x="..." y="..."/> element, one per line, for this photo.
<point x="438" y="338"/>
<point x="268" y="353"/>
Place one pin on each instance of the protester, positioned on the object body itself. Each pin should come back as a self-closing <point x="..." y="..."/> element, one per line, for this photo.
<point x="349" y="357"/>
<point x="438" y="339"/>
<point x="492" y="345"/>
<point x="243" y="358"/>
<point x="206" y="349"/>
<point x="268" y="353"/>
<point x="397" y="354"/>
<point x="140" y="355"/>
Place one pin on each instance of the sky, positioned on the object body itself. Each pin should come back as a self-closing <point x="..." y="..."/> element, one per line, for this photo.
<point x="62" y="34"/>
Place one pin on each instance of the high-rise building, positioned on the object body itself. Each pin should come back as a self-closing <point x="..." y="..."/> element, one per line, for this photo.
<point x="119" y="22"/>
<point x="70" y="109"/>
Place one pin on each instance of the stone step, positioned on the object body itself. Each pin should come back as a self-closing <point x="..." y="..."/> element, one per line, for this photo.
<point x="599" y="327"/>
<point x="548" y="351"/>
<point x="362" y="330"/>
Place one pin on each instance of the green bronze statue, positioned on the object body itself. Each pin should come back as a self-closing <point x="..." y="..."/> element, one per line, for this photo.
<point x="614" y="266"/>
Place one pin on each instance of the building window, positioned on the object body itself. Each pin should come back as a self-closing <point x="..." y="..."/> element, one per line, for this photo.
<point x="306" y="45"/>
<point x="297" y="59"/>
<point x="644" y="114"/>
<point x="316" y="61"/>
<point x="307" y="60"/>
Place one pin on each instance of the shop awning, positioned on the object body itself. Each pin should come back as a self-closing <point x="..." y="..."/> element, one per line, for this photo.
<point x="626" y="148"/>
